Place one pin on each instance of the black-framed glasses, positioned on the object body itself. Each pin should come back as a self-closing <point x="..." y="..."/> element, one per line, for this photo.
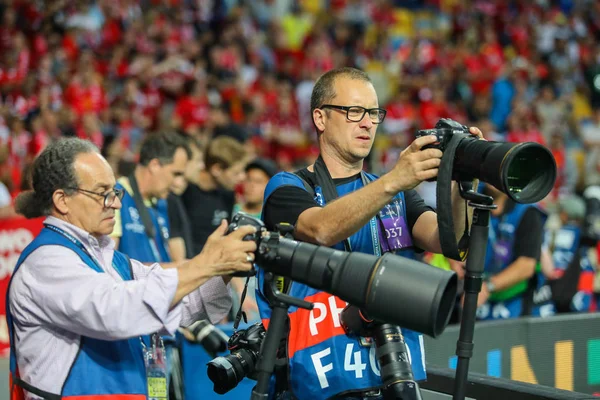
<point x="357" y="113"/>
<point x="109" y="197"/>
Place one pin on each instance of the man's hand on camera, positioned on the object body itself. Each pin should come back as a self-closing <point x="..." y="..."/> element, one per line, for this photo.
<point x="414" y="165"/>
<point x="226" y="254"/>
<point x="476" y="132"/>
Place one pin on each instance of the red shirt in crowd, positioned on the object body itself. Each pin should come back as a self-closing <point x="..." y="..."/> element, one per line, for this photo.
<point x="192" y="111"/>
<point x="85" y="99"/>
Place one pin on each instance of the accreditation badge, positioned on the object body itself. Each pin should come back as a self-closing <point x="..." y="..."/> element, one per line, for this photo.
<point x="156" y="368"/>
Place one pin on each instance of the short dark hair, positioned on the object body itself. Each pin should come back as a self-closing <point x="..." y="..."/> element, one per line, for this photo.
<point x="163" y="147"/>
<point x="324" y="90"/>
<point x="53" y="169"/>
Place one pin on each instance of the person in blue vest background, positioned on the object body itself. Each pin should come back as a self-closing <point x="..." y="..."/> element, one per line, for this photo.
<point x="514" y="246"/>
<point x="83" y="318"/>
<point x="371" y="215"/>
<point x="572" y="255"/>
<point x="162" y="162"/>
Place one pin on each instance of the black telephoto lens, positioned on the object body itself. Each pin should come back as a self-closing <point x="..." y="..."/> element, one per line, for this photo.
<point x="526" y="172"/>
<point x="423" y="296"/>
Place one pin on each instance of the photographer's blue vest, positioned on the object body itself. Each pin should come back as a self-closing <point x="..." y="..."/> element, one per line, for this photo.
<point x="135" y="242"/>
<point x="583" y="299"/>
<point x="112" y="369"/>
<point x="502" y="239"/>
<point x="507" y="303"/>
<point x="567" y="242"/>
<point x="323" y="360"/>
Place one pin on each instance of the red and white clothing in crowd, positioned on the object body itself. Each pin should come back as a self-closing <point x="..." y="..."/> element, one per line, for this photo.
<point x="532" y="135"/>
<point x="86" y="99"/>
<point x="18" y="148"/>
<point x="20" y="105"/>
<point x="400" y="117"/>
<point x="192" y="111"/>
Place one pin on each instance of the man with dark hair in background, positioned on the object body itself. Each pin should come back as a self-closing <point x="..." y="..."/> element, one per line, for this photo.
<point x="209" y="198"/>
<point x="142" y="228"/>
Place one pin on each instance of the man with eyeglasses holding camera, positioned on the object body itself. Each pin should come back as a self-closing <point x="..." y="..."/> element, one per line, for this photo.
<point x="84" y="319"/>
<point x="334" y="203"/>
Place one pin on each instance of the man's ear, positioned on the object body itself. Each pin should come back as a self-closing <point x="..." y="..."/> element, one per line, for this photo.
<point x="319" y="116"/>
<point x="216" y="170"/>
<point x="154" y="165"/>
<point x="61" y="201"/>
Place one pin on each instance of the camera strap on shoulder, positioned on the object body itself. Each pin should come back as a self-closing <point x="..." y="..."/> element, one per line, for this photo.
<point x="450" y="248"/>
<point x="325" y="181"/>
<point x="144" y="216"/>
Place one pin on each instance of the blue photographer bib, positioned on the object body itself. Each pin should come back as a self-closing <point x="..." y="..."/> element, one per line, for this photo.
<point x="323" y="360"/>
<point x="566" y="246"/>
<point x="508" y="303"/>
<point x="107" y="369"/>
<point x="135" y="242"/>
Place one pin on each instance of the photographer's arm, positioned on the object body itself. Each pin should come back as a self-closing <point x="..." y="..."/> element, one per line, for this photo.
<point x="343" y="217"/>
<point x="55" y="287"/>
<point x="519" y="270"/>
<point x="220" y="256"/>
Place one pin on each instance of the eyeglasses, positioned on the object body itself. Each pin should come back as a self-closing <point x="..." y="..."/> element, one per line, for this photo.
<point x="357" y="113"/>
<point x="109" y="197"/>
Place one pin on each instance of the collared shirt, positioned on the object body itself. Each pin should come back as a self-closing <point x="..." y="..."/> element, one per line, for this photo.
<point x="55" y="298"/>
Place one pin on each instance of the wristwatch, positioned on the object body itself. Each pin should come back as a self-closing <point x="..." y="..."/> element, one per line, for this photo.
<point x="490" y="286"/>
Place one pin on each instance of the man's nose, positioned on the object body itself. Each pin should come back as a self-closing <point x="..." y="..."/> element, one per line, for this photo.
<point x="117" y="204"/>
<point x="366" y="121"/>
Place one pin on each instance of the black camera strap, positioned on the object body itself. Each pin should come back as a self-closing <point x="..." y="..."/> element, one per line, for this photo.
<point x="144" y="215"/>
<point x="450" y="248"/>
<point x="241" y="314"/>
<point x="325" y="181"/>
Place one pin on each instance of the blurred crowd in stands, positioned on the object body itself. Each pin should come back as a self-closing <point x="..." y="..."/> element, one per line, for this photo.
<point x="115" y="71"/>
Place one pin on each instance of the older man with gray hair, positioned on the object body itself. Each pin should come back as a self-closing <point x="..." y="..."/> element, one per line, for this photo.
<point x="84" y="319"/>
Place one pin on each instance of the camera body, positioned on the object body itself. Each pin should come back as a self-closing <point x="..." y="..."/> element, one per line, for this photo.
<point x="242" y="219"/>
<point x="247" y="339"/>
<point x="444" y="130"/>
<point x="244" y="346"/>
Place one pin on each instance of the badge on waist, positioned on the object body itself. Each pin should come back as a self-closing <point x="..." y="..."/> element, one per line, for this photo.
<point x="156" y="368"/>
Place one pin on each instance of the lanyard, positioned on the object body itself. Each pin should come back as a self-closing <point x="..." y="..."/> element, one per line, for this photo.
<point x="73" y="239"/>
<point x="373" y="222"/>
